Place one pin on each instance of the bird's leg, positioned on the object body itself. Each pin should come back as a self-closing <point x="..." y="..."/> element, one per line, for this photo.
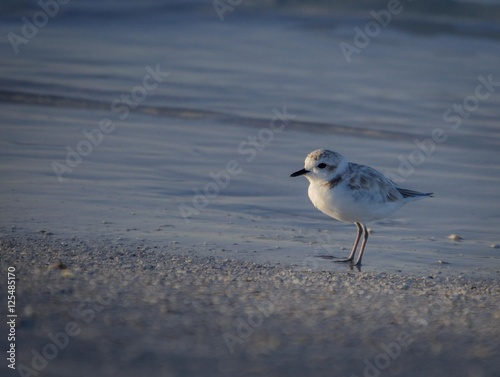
<point x="355" y="246"/>
<point x="363" y="244"/>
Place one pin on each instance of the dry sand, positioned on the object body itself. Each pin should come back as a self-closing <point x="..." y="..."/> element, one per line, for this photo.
<point x="123" y="309"/>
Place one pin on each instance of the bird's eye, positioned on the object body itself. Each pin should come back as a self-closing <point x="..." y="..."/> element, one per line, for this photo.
<point x="322" y="165"/>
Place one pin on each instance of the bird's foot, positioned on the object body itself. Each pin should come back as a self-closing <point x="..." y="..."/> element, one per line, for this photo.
<point x="330" y="257"/>
<point x="337" y="260"/>
<point x="357" y="266"/>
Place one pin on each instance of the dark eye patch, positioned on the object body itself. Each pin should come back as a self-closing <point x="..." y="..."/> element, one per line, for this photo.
<point x="322" y="165"/>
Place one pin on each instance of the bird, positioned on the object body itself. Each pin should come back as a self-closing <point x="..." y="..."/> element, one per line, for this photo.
<point x="352" y="193"/>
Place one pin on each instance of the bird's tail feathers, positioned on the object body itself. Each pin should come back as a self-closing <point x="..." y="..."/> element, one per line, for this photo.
<point x="410" y="194"/>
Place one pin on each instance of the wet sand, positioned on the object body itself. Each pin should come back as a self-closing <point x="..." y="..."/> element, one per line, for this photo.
<point x="125" y="308"/>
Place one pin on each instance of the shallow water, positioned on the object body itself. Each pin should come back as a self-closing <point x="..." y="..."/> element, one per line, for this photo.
<point x="228" y="85"/>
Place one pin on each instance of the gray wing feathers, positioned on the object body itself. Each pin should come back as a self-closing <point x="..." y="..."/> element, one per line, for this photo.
<point x="370" y="183"/>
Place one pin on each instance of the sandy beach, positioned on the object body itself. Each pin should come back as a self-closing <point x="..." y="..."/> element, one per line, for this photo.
<point x="107" y="309"/>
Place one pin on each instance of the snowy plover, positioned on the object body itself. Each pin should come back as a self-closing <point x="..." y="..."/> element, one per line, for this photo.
<point x="352" y="193"/>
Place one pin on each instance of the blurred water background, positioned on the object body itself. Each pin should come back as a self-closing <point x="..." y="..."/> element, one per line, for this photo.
<point x="117" y="116"/>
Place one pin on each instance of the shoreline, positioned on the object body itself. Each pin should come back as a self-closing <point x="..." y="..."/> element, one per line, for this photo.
<point x="138" y="309"/>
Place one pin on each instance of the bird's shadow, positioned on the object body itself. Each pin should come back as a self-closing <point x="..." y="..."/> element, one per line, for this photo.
<point x="350" y="264"/>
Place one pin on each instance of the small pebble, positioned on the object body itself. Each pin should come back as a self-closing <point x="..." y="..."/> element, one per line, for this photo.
<point x="65" y="273"/>
<point x="455" y="237"/>
<point x="28" y="311"/>
<point x="57" y="266"/>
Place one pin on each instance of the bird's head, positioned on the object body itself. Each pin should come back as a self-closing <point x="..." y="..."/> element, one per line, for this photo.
<point x="322" y="165"/>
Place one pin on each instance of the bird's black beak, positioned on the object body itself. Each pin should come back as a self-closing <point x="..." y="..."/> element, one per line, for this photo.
<point x="300" y="172"/>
